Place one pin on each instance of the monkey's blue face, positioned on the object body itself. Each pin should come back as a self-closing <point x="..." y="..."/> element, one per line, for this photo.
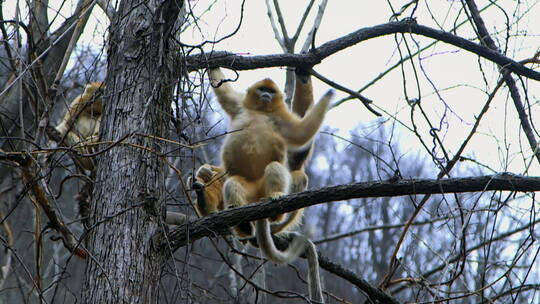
<point x="266" y="94"/>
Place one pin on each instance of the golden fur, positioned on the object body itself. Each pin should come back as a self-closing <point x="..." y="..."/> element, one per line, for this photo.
<point x="80" y="124"/>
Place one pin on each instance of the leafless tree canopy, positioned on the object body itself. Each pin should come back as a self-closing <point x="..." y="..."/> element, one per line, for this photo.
<point x="422" y="184"/>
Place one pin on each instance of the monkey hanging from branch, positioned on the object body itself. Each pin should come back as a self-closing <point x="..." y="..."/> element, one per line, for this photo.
<point x="265" y="158"/>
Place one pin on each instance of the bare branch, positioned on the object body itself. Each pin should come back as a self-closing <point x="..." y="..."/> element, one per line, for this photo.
<point x="468" y="251"/>
<point x="88" y="5"/>
<point x="281" y="22"/>
<point x="51" y="57"/>
<point x="316" y="24"/>
<point x="303" y="21"/>
<point x="373" y="293"/>
<point x="56" y="222"/>
<point x="347" y="234"/>
<point x="315" y="56"/>
<point x="406" y="58"/>
<point x="366" y="101"/>
<point x="486" y="39"/>
<point x="443" y="172"/>
<point x="39" y="23"/>
<point x="219" y="223"/>
<point x="275" y="29"/>
<point x="8" y="242"/>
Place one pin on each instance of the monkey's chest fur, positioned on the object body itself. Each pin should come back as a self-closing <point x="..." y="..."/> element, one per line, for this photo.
<point x="256" y="144"/>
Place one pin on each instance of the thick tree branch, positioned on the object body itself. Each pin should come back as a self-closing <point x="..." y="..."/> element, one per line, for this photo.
<point x="219" y="223"/>
<point x="315" y="56"/>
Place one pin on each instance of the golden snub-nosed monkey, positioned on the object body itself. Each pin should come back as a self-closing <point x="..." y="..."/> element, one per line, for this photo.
<point x="80" y="124"/>
<point x="254" y="156"/>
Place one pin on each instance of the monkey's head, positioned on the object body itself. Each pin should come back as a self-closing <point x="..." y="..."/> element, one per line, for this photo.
<point x="93" y="88"/>
<point x="93" y="93"/>
<point x="264" y="96"/>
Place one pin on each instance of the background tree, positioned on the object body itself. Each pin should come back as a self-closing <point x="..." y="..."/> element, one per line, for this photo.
<point x="433" y="111"/>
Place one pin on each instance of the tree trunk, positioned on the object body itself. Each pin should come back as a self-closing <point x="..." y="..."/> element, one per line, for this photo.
<point x="129" y="194"/>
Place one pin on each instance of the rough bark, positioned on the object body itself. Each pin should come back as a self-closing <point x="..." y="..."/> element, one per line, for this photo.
<point x="128" y="202"/>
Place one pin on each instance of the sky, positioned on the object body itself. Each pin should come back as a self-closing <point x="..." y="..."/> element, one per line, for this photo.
<point x="456" y="73"/>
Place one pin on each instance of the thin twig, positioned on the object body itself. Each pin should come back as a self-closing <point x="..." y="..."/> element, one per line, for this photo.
<point x="485" y="37"/>
<point x="365" y="101"/>
<point x="445" y="171"/>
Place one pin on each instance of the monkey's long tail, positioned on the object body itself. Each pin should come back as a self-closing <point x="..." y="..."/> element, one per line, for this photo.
<point x="299" y="245"/>
<point x="314" y="278"/>
<point x="268" y="248"/>
<point x="292" y="219"/>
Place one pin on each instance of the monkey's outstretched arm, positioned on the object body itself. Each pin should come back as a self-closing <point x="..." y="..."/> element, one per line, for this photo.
<point x="302" y="101"/>
<point x="297" y="157"/>
<point x="303" y="93"/>
<point x="298" y="132"/>
<point x="228" y="98"/>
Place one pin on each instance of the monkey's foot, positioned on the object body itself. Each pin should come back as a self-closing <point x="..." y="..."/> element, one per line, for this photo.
<point x="205" y="173"/>
<point x="278" y="218"/>
<point x="275" y="195"/>
<point x="244" y="230"/>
